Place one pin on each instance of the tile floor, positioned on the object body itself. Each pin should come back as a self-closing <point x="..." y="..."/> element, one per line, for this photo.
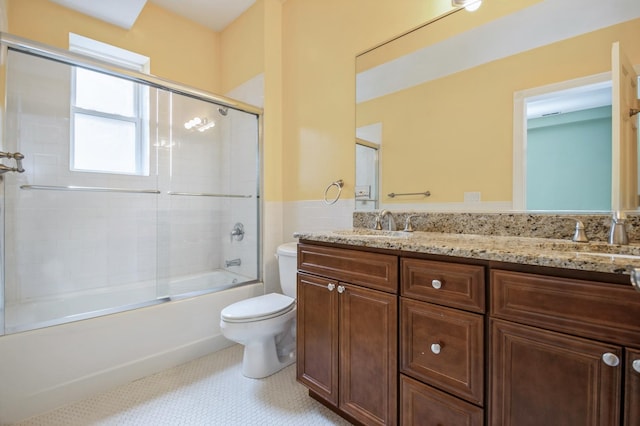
<point x="208" y="391"/>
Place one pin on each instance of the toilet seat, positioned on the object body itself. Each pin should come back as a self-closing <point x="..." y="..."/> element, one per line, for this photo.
<point x="258" y="308"/>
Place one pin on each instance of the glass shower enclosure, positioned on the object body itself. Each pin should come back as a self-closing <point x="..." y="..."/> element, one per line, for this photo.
<point x="119" y="190"/>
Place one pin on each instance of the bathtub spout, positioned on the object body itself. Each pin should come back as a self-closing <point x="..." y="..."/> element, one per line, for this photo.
<point x="234" y="262"/>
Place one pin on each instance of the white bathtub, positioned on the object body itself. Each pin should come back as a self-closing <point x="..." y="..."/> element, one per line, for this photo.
<point x="49" y="367"/>
<point x="192" y="285"/>
<point x="68" y="307"/>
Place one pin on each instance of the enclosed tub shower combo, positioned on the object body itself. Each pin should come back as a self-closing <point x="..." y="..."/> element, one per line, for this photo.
<point x="119" y="190"/>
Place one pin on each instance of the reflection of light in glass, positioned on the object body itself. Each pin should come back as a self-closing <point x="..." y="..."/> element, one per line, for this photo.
<point x="474" y="6"/>
<point x="199" y="124"/>
<point x="195" y="121"/>
<point x="163" y="143"/>
<point x="206" y="126"/>
<point x="470" y="5"/>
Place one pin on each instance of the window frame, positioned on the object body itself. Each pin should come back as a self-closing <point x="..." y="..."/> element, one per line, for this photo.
<point x="122" y="58"/>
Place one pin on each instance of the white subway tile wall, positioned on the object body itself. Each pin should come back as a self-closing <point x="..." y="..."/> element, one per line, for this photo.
<point x="62" y="244"/>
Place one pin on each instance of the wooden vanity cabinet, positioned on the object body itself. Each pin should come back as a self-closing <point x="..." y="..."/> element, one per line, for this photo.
<point x="558" y="351"/>
<point x="442" y="307"/>
<point x="347" y="331"/>
<point x="632" y="388"/>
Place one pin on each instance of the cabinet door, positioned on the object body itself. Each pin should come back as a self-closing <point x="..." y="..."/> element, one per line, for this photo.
<point x="317" y="336"/>
<point x="368" y="355"/>
<point x="632" y="389"/>
<point x="540" y="377"/>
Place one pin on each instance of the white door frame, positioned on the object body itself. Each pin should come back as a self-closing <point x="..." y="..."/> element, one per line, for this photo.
<point x="520" y="99"/>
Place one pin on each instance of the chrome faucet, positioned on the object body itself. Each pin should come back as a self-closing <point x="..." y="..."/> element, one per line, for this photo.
<point x="579" y="235"/>
<point x="618" y="231"/>
<point x="232" y="262"/>
<point x="408" y="227"/>
<point x="381" y="215"/>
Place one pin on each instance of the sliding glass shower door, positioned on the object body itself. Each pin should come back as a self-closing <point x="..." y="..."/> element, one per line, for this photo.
<point x="132" y="194"/>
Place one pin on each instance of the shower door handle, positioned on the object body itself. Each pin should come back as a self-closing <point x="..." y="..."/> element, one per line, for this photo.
<point x="16" y="156"/>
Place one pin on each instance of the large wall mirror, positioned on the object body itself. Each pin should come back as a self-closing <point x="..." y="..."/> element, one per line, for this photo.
<point x="506" y="108"/>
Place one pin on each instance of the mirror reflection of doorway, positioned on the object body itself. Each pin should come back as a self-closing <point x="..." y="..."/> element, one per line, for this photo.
<point x="368" y="144"/>
<point x="366" y="175"/>
<point x="563" y="146"/>
<point x="568" y="161"/>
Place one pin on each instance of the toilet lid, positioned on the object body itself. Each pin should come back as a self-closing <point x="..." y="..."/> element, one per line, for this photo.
<point x="257" y="308"/>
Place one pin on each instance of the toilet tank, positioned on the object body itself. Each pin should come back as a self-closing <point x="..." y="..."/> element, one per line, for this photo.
<point x="288" y="266"/>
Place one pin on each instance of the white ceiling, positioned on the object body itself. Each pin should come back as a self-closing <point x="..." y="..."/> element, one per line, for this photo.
<point x="213" y="14"/>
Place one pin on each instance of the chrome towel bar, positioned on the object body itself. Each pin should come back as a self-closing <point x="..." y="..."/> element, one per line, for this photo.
<point x="89" y="189"/>
<point x="338" y="184"/>
<point x="124" y="190"/>
<point x="425" y="193"/>
<point x="204" y="194"/>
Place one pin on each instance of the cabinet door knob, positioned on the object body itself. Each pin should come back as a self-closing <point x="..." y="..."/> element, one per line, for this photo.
<point x="610" y="359"/>
<point x="340" y="289"/>
<point x="436" y="284"/>
<point x="636" y="365"/>
<point x="331" y="286"/>
<point x="436" y="348"/>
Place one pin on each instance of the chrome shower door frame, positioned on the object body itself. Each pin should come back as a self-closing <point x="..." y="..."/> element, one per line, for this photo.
<point x="11" y="42"/>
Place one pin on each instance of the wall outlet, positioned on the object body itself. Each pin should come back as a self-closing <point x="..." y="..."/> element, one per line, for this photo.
<point x="472" y="197"/>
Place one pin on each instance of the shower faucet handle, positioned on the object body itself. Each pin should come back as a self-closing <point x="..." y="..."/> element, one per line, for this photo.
<point x="237" y="233"/>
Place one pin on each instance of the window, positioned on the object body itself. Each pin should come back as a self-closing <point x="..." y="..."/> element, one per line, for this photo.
<point x="108" y="113"/>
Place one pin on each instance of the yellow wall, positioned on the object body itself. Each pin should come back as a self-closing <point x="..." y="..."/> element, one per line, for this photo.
<point x="242" y="50"/>
<point x="455" y="134"/>
<point x="180" y="50"/>
<point x="252" y="45"/>
<point x="307" y="51"/>
<point x="440" y="28"/>
<point x="273" y="112"/>
<point x="321" y="39"/>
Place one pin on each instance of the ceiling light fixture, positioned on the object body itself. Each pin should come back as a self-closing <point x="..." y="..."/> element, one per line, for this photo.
<point x="470" y="5"/>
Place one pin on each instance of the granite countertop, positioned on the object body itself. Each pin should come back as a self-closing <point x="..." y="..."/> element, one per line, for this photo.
<point x="592" y="256"/>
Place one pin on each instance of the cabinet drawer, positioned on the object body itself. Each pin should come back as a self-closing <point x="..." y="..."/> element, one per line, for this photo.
<point x="456" y="365"/>
<point x="450" y="284"/>
<point x="424" y="405"/>
<point x="607" y="312"/>
<point x="373" y="270"/>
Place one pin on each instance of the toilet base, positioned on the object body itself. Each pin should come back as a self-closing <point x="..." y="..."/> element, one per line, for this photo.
<point x="261" y="358"/>
<point x="269" y="344"/>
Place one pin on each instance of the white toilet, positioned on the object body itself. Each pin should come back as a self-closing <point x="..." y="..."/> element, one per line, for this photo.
<point x="265" y="325"/>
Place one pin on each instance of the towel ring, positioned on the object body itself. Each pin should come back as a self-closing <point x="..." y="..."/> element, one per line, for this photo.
<point x="339" y="184"/>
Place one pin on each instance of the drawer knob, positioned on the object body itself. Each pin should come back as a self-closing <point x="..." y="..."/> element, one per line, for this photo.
<point x="636" y="365"/>
<point x="436" y="348"/>
<point x="436" y="284"/>
<point x="331" y="286"/>
<point x="340" y="289"/>
<point x="610" y="359"/>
